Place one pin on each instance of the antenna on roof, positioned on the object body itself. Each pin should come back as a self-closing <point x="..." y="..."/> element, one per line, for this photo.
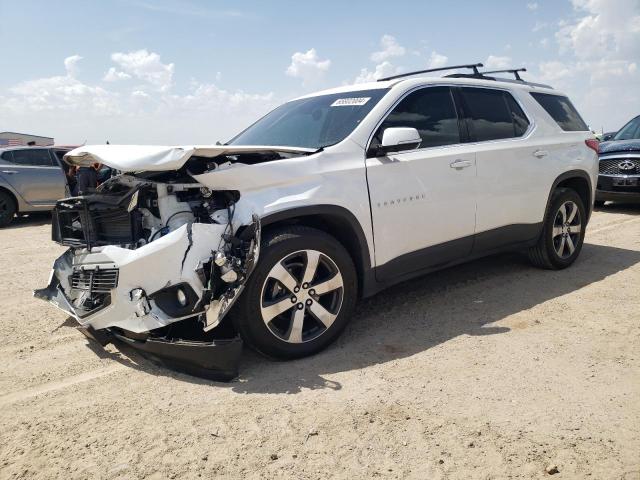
<point x="514" y="71"/>
<point x="473" y="66"/>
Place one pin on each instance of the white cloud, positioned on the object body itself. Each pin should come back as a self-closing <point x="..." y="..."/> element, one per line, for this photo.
<point x="308" y="66"/>
<point x="73" y="111"/>
<point x="539" y="26"/>
<point x="609" y="28"/>
<point x="600" y="50"/>
<point x="114" y="75"/>
<point x="552" y="71"/>
<point x="384" y="69"/>
<point x="497" y="62"/>
<point x="139" y="94"/>
<point x="437" y="60"/>
<point x="390" y="48"/>
<point x="146" y="66"/>
<point x="60" y="93"/>
<point x="71" y="65"/>
<point x="532" y="6"/>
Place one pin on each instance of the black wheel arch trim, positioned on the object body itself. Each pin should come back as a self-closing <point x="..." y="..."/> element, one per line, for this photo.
<point x="568" y="175"/>
<point x="324" y="211"/>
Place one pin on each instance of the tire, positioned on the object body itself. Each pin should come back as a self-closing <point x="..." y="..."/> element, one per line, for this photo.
<point x="598" y="204"/>
<point x="284" y="321"/>
<point x="7" y="209"/>
<point x="562" y="233"/>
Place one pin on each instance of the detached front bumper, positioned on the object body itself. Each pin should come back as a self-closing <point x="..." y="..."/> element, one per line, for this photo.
<point x="128" y="297"/>
<point x="216" y="360"/>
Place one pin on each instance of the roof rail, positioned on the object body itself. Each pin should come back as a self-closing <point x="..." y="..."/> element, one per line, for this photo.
<point x="514" y="71"/>
<point x="473" y="66"/>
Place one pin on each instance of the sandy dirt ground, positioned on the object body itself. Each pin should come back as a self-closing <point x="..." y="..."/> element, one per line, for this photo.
<point x="488" y="370"/>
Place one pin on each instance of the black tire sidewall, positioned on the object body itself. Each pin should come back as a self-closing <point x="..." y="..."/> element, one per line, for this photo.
<point x="248" y="318"/>
<point x="561" y="197"/>
<point x="6" y="220"/>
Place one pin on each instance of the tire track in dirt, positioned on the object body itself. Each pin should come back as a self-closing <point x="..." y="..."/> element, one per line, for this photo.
<point x="609" y="226"/>
<point x="32" y="392"/>
<point x="51" y="344"/>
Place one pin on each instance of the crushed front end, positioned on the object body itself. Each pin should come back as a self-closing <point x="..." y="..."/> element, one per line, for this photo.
<point x="156" y="261"/>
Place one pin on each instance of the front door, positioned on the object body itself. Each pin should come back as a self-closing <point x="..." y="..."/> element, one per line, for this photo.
<point x="423" y="201"/>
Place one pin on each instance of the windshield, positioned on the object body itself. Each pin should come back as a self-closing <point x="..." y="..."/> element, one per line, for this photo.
<point x="313" y="122"/>
<point x="630" y="131"/>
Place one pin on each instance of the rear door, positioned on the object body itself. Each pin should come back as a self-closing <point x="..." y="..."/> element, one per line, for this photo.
<point x="423" y="201"/>
<point x="34" y="174"/>
<point x="510" y="187"/>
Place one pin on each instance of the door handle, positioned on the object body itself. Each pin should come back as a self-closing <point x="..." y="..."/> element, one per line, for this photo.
<point x="10" y="172"/>
<point x="460" y="164"/>
<point x="540" y="153"/>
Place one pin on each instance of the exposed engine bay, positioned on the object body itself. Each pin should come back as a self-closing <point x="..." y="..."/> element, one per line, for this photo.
<point x="132" y="213"/>
<point x="157" y="259"/>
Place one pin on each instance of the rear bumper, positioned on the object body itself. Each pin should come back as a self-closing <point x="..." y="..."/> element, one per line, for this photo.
<point x="216" y="360"/>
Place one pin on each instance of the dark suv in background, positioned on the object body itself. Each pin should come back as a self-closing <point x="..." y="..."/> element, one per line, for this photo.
<point x="619" y="174"/>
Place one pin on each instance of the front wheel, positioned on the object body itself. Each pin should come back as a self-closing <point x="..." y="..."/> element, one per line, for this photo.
<point x="300" y="296"/>
<point x="562" y="232"/>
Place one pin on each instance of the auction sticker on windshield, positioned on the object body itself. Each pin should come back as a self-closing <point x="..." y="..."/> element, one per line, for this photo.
<point x="350" y="102"/>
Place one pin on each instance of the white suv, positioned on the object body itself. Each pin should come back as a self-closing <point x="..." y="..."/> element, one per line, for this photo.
<point x="330" y="197"/>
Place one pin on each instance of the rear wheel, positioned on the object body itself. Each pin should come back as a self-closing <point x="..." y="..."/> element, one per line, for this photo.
<point x="562" y="233"/>
<point x="7" y="209"/>
<point x="300" y="296"/>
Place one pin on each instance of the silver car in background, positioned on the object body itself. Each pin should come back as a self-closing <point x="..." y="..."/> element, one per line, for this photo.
<point x="32" y="179"/>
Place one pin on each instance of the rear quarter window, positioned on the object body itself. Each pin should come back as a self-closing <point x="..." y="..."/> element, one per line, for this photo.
<point x="562" y="111"/>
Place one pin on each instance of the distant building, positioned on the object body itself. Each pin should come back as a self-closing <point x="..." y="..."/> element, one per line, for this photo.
<point x="11" y="139"/>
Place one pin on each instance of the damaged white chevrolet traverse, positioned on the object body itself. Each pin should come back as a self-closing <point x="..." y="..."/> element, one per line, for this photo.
<point x="272" y="237"/>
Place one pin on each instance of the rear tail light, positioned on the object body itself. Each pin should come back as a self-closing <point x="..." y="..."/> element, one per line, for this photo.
<point x="593" y="144"/>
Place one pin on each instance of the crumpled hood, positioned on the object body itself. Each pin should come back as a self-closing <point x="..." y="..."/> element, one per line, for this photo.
<point x="137" y="158"/>
<point x="620" y="146"/>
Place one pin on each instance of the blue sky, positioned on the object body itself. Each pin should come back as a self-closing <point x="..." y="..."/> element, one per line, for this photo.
<point x="198" y="71"/>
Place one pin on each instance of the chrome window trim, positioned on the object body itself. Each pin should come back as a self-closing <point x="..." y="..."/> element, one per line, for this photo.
<point x="526" y="135"/>
<point x="19" y="165"/>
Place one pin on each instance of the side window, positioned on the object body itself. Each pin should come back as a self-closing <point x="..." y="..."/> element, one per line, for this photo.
<point x="520" y="121"/>
<point x="492" y="114"/>
<point x="562" y="111"/>
<point x="430" y="111"/>
<point x="59" y="154"/>
<point x="6" y="157"/>
<point x="32" y="156"/>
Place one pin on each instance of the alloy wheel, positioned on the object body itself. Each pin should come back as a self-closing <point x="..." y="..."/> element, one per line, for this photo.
<point x="567" y="228"/>
<point x="302" y="296"/>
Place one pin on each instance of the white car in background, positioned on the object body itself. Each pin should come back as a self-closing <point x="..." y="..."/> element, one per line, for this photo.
<point x="328" y="198"/>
